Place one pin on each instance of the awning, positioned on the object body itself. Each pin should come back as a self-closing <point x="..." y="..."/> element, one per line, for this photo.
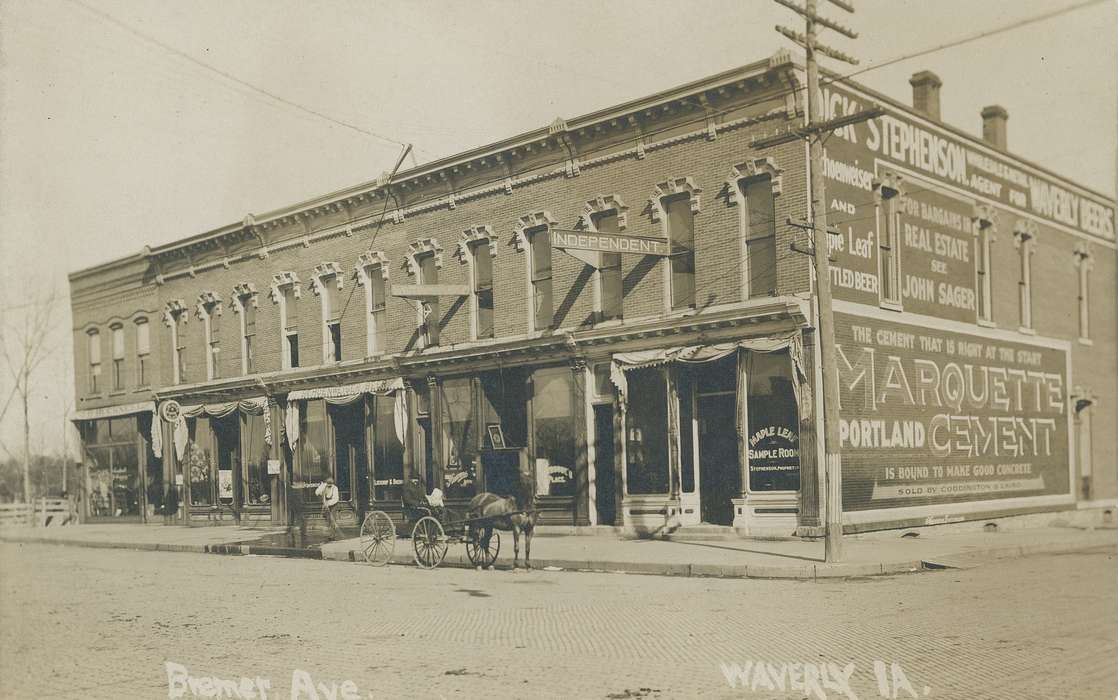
<point x="114" y="411"/>
<point x="346" y="394"/>
<point x="254" y="406"/>
<point x="791" y="341"/>
<point x="348" y="391"/>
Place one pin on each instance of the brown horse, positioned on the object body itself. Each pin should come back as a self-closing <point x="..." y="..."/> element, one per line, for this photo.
<point x="503" y="513"/>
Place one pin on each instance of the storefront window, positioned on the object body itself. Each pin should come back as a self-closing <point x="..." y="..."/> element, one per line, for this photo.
<point x="460" y="454"/>
<point x="255" y="475"/>
<point x="774" y="442"/>
<point x="198" y="461"/>
<point x="113" y="461"/>
<point x="388" y="451"/>
<point x="646" y="445"/>
<point x="553" y="430"/>
<point x="504" y="402"/>
<point x="314" y="454"/>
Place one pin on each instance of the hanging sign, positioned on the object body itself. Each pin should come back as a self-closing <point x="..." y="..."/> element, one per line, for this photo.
<point x="225" y="483"/>
<point x="273" y="466"/>
<point x="608" y="242"/>
<point x="170" y="411"/>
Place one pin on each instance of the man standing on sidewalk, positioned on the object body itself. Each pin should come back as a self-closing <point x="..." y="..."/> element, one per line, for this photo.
<point x="329" y="494"/>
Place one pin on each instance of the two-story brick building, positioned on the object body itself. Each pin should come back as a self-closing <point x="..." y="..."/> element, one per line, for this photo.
<point x="612" y="316"/>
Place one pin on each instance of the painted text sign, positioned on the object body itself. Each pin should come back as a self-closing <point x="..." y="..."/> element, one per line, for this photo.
<point x="937" y="417"/>
<point x="609" y="242"/>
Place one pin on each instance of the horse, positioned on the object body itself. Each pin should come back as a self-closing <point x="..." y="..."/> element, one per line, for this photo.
<point x="503" y="513"/>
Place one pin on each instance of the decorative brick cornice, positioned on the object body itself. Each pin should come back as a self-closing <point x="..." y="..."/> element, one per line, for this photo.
<point x="368" y="260"/>
<point x="751" y="169"/>
<point x="672" y="187"/>
<point x="604" y="204"/>
<point x="475" y="234"/>
<point x="528" y="222"/>
<point x="284" y="279"/>
<point x="323" y="271"/>
<point x="418" y="248"/>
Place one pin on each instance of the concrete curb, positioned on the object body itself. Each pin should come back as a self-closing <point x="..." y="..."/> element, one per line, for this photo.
<point x="458" y="560"/>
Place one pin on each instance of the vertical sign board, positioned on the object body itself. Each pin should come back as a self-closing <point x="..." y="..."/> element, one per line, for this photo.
<point x="933" y="417"/>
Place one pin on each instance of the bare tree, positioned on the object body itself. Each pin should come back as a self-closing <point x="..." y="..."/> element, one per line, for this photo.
<point x="24" y="344"/>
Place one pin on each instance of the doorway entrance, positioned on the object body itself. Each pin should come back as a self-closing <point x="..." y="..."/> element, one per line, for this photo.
<point x="719" y="469"/>
<point x="350" y="462"/>
<point x="605" y="487"/>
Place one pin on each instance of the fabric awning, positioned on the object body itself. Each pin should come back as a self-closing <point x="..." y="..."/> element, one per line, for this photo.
<point x="346" y="394"/>
<point x="791" y="341"/>
<point x="348" y="391"/>
<point x="114" y="411"/>
<point x="255" y="406"/>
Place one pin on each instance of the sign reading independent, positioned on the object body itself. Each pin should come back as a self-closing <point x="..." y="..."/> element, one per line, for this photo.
<point x="608" y="242"/>
<point x="936" y="417"/>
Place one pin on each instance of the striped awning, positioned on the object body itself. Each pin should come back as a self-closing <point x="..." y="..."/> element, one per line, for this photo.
<point x="382" y="386"/>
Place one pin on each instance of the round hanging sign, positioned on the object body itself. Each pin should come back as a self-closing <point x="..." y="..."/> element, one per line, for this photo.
<point x="170" y="411"/>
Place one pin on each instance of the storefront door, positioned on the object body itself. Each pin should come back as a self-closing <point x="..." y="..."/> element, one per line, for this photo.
<point x="605" y="488"/>
<point x="349" y="448"/>
<point x="719" y="470"/>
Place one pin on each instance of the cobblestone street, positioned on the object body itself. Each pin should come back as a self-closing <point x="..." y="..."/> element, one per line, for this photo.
<point x="89" y="623"/>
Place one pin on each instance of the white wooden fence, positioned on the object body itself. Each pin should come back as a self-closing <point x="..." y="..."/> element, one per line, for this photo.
<point x="41" y="512"/>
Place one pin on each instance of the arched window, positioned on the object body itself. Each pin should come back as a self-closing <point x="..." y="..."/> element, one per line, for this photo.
<point x="118" y="356"/>
<point x="143" y="351"/>
<point x="93" y="340"/>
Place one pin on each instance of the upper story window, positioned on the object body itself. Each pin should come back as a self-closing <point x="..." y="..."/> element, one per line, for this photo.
<point x="675" y="203"/>
<point x="424" y="260"/>
<point x="246" y="303"/>
<point x="372" y="273"/>
<point x="286" y="291"/>
<point x="887" y="196"/>
<point x="753" y="187"/>
<point x="209" y="312"/>
<point x="118" y="356"/>
<point x="533" y="235"/>
<point x="985" y="233"/>
<point x="1024" y="240"/>
<point x="175" y="316"/>
<point x="93" y="340"/>
<point x="143" y="351"/>
<point x="607" y="215"/>
<point x="1084" y="262"/>
<point x="327" y="283"/>
<point x="478" y="247"/>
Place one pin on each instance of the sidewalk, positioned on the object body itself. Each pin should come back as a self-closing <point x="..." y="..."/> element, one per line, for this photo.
<point x="871" y="554"/>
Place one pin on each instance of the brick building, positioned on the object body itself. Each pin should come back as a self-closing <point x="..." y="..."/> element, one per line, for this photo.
<point x="610" y="316"/>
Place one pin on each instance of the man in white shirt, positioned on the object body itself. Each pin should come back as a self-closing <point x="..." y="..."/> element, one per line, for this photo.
<point x="329" y="494"/>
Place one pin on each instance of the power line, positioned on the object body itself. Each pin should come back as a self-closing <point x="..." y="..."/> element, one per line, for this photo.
<point x="968" y="39"/>
<point x="228" y="76"/>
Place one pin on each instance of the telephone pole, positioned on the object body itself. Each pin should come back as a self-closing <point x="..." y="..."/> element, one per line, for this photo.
<point x="815" y="131"/>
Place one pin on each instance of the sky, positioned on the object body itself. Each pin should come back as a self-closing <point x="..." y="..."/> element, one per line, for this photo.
<point x="113" y="135"/>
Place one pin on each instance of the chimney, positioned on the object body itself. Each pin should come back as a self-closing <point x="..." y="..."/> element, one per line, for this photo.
<point x="925" y="93"/>
<point x="994" y="118"/>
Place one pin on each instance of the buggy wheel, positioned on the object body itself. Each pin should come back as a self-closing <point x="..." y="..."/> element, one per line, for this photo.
<point x="481" y="553"/>
<point x="378" y="538"/>
<point x="429" y="541"/>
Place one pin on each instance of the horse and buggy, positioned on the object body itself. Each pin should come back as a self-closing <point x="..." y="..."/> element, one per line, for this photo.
<point x="434" y="528"/>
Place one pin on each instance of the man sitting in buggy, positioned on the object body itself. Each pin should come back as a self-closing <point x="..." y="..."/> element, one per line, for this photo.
<point x="417" y="503"/>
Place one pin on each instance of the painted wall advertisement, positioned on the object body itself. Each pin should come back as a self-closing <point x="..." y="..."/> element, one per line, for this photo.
<point x="943" y="178"/>
<point x="938" y="417"/>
